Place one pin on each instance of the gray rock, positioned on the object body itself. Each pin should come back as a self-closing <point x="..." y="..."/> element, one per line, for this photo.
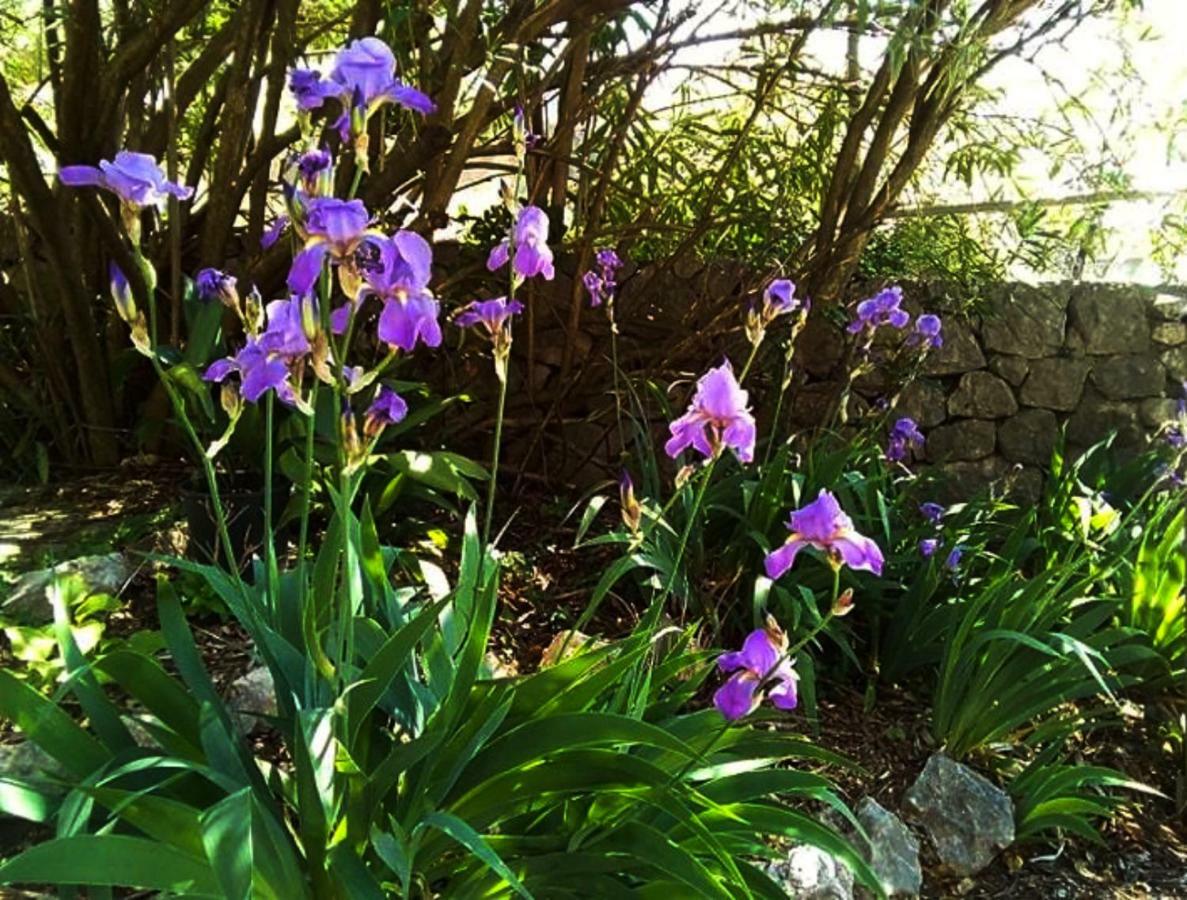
<point x="967" y="817"/>
<point x="1111" y="320"/>
<point x="1029" y="437"/>
<point x="1096" y="419"/>
<point x="1170" y="307"/>
<point x="1169" y="334"/>
<point x="1026" y="321"/>
<point x="808" y="873"/>
<point x="962" y="440"/>
<point x="29" y="603"/>
<point x="1013" y="369"/>
<point x="960" y="352"/>
<point x="1128" y="377"/>
<point x="964" y="480"/>
<point x="1055" y="383"/>
<point x="1175" y="361"/>
<point x="890" y="849"/>
<point x="982" y="395"/>
<point x="819" y="348"/>
<point x="924" y="401"/>
<point x="23" y="759"/>
<point x="1158" y="411"/>
<point x="1024" y="485"/>
<point x="251" y="697"/>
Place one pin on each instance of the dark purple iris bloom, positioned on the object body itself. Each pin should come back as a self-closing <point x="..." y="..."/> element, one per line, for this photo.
<point x="397" y="271"/>
<point x="904" y="434"/>
<point x="927" y="331"/>
<point x="528" y="249"/>
<point x="275" y="230"/>
<point x="596" y="287"/>
<point x="608" y="259"/>
<point x="758" y="670"/>
<point x="213" y="284"/>
<point x="933" y="512"/>
<point x="387" y="408"/>
<point x="335" y="227"/>
<point x="1175" y="437"/>
<point x="881" y="309"/>
<point x="953" y="561"/>
<point x="134" y="177"/>
<point x="313" y="166"/>
<point x="928" y="547"/>
<point x="491" y="314"/>
<point x="717" y="417"/>
<point x="823" y="525"/>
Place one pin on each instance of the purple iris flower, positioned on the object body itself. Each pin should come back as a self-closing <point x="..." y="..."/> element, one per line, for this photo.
<point x="285" y="334"/>
<point x="904" y="434"/>
<point x="1175" y="437"/>
<point x="213" y="284"/>
<point x="134" y="177"/>
<point x="717" y="417"/>
<point x="332" y="226"/>
<point x="933" y="512"/>
<point x="881" y="309"/>
<point x="362" y="78"/>
<point x="928" y="547"/>
<point x="757" y="669"/>
<point x="927" y="331"/>
<point x="953" y="561"/>
<point x="315" y="168"/>
<point x="491" y="314"/>
<point x="258" y="370"/>
<point x="275" y="230"/>
<point x="387" y="408"/>
<point x="823" y="525"/>
<point x="528" y="248"/>
<point x="600" y="282"/>
<point x="265" y="362"/>
<point x="309" y="89"/>
<point x="779" y="297"/>
<point x="397" y="271"/>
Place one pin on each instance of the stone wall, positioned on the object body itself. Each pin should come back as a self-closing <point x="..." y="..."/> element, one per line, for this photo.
<point x="1091" y="358"/>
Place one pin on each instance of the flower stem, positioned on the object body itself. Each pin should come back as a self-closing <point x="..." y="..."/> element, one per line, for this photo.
<point x="273" y="574"/>
<point x="492" y="484"/>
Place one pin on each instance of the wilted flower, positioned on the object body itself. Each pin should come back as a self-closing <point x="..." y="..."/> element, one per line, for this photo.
<point x="717" y="417"/>
<point x="881" y="309"/>
<point x="397" y="270"/>
<point x="928" y="547"/>
<point x="823" y="525"/>
<point x="927" y="331"/>
<point x="134" y="177"/>
<point x="387" y="408"/>
<point x="527" y="248"/>
<point x="316" y="171"/>
<point x="632" y="512"/>
<point x="759" y="669"/>
<point x="904" y="434"/>
<point x="933" y="512"/>
<point x="843" y="605"/>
